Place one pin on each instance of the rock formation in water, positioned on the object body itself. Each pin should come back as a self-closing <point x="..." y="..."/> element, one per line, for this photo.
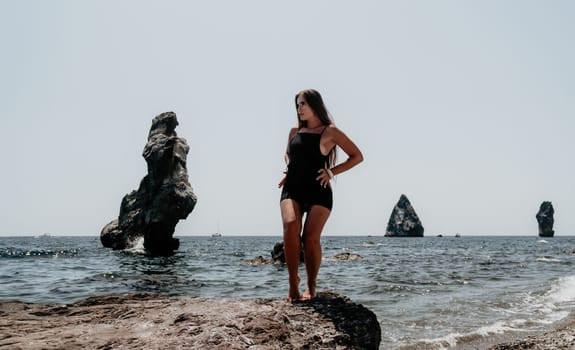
<point x="143" y="321"/>
<point x="164" y="197"/>
<point x="345" y="257"/>
<point x="545" y="219"/>
<point x="278" y="252"/>
<point x="278" y="257"/>
<point x="403" y="221"/>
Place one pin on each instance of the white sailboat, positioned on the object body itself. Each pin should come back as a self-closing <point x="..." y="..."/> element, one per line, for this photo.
<point x="218" y="232"/>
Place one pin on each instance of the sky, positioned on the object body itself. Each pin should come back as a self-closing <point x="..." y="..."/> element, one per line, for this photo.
<point x="466" y="107"/>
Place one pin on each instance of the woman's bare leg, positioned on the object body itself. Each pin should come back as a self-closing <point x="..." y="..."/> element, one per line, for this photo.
<point x="292" y="223"/>
<point x="316" y="219"/>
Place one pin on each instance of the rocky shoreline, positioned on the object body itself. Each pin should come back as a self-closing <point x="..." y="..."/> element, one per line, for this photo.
<point x="561" y="338"/>
<point x="144" y="321"/>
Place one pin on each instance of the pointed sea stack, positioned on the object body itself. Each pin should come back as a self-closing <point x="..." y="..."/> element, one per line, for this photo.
<point x="403" y="221"/>
<point x="545" y="219"/>
<point x="164" y="197"/>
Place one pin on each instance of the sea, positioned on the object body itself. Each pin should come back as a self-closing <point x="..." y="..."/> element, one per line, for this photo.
<point x="427" y="293"/>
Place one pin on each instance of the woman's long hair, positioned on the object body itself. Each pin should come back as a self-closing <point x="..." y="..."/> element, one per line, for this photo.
<point x="314" y="100"/>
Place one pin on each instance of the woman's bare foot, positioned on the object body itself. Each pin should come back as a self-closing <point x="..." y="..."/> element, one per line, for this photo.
<point x="309" y="293"/>
<point x="293" y="298"/>
<point x="294" y="290"/>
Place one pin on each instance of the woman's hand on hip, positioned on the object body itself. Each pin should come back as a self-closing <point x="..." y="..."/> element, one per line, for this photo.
<point x="323" y="177"/>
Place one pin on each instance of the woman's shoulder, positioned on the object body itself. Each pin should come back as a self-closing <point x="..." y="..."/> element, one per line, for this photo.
<point x="331" y="129"/>
<point x="335" y="134"/>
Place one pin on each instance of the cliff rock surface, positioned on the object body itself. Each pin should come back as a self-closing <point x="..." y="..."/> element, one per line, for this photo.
<point x="142" y="321"/>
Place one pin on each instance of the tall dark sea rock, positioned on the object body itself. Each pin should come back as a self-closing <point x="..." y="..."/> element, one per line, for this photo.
<point x="403" y="221"/>
<point x="164" y="197"/>
<point x="545" y="219"/>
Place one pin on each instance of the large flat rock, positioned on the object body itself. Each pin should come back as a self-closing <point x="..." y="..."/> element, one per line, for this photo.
<point x="143" y="321"/>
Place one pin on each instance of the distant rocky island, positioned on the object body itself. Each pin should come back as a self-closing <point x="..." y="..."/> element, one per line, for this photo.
<point x="545" y="219"/>
<point x="403" y="221"/>
<point x="164" y="196"/>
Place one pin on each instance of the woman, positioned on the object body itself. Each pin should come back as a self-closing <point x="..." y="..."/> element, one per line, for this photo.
<point x="311" y="158"/>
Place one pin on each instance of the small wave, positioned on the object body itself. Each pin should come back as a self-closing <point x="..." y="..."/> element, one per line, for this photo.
<point x="563" y="291"/>
<point x="474" y="337"/>
<point x="370" y="244"/>
<point x="542" y="241"/>
<point x="15" y="253"/>
<point x="548" y="259"/>
<point x="546" y="309"/>
<point x="553" y="305"/>
<point x="500" y="327"/>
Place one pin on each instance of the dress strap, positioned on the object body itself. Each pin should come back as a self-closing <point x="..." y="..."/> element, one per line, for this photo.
<point x="324" y="129"/>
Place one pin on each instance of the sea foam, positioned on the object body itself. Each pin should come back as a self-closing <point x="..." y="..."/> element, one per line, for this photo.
<point x="563" y="292"/>
<point x="137" y="246"/>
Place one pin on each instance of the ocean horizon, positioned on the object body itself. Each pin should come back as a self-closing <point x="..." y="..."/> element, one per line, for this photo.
<point x="429" y="292"/>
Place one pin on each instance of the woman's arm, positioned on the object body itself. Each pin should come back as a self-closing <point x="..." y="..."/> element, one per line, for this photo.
<point x="335" y="137"/>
